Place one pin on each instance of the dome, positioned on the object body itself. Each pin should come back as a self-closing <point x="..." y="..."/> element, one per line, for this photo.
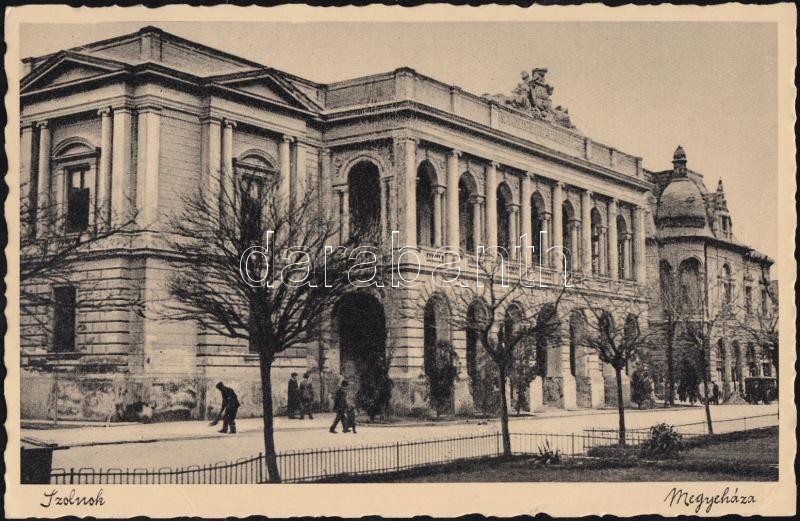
<point x="681" y="204"/>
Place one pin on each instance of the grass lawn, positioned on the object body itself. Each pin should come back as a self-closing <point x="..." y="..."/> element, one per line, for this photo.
<point x="745" y="456"/>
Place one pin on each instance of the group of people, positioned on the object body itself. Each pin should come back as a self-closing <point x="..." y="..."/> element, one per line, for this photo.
<point x="300" y="397"/>
<point x="300" y="401"/>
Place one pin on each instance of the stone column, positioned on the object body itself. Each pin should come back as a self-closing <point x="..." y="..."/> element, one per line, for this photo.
<point x="601" y="258"/>
<point x="410" y="186"/>
<point x="525" y="217"/>
<point x="285" y="161"/>
<point x="613" y="261"/>
<point x="491" y="205"/>
<point x="586" y="235"/>
<point x="211" y="137"/>
<point x="544" y="241"/>
<point x="300" y="181"/>
<point x="43" y="182"/>
<point x="122" y="187"/>
<point x="325" y="181"/>
<point x="103" y="197"/>
<point x="513" y="230"/>
<point x="626" y="255"/>
<point x="344" y="217"/>
<point x="453" y="238"/>
<point x="147" y="163"/>
<point x="639" y="244"/>
<point x="476" y="200"/>
<point x="574" y="233"/>
<point x="26" y="160"/>
<point x="438" y="195"/>
<point x="556" y="237"/>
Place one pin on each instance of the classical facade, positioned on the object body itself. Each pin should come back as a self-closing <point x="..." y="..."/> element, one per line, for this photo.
<point x="129" y="124"/>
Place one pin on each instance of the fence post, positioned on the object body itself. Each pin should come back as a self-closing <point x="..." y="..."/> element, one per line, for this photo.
<point x="260" y="467"/>
<point x="573" y="444"/>
<point x="497" y="439"/>
<point x="397" y="454"/>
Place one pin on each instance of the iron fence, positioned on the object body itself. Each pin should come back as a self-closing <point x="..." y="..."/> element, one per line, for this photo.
<point x="317" y="464"/>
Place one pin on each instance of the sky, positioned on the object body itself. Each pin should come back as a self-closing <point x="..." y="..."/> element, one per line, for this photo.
<point x="641" y="87"/>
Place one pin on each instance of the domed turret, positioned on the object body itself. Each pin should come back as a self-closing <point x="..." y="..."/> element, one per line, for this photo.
<point x="681" y="204"/>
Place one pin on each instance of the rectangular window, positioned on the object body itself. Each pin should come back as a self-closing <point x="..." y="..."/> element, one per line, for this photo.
<point x="64" y="319"/>
<point x="748" y="299"/>
<point x="78" y="201"/>
<point x="764" y="301"/>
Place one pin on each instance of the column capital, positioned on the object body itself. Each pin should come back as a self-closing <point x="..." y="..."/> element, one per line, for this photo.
<point x="325" y="151"/>
<point x="476" y="199"/>
<point x="148" y="108"/>
<point x="124" y="107"/>
<point x="439" y="189"/>
<point x="228" y="123"/>
<point x="559" y="184"/>
<point x="406" y="136"/>
<point x="513" y="208"/>
<point x="588" y="193"/>
<point x="286" y="138"/>
<point x="104" y="112"/>
<point x="494" y="164"/>
<point x="42" y="124"/>
<point x="456" y="153"/>
<point x="207" y="119"/>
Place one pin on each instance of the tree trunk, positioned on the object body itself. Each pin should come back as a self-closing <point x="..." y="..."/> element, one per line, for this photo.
<point x="265" y="366"/>
<point x="707" y="402"/>
<point x="504" y="413"/>
<point x="620" y="406"/>
<point x="669" y="398"/>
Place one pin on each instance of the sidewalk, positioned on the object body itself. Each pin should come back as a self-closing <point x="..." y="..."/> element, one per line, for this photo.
<point x="117" y="433"/>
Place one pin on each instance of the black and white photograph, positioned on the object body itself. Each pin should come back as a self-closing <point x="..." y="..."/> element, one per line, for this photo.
<point x="251" y="248"/>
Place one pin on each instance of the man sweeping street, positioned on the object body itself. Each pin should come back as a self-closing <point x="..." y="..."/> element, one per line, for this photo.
<point x="230" y="406"/>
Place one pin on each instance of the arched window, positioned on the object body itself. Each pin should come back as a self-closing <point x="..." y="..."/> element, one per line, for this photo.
<point x="466" y="212"/>
<point x="477" y="317"/>
<point x="504" y="228"/>
<point x="666" y="283"/>
<point x="597" y="241"/>
<point x="727" y="285"/>
<point x="72" y="207"/>
<point x="690" y="289"/>
<point x="364" y="201"/>
<point x="538" y="214"/>
<point x="569" y="233"/>
<point x="436" y="325"/>
<point x="548" y="315"/>
<point x="255" y="175"/>
<point x="426" y="220"/>
<point x="577" y="330"/>
<point x="622" y="248"/>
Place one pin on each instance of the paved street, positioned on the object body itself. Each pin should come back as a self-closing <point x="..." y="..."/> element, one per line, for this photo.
<point x="191" y="443"/>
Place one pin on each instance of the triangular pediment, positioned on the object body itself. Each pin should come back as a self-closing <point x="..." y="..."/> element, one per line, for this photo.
<point x="65" y="68"/>
<point x="266" y="84"/>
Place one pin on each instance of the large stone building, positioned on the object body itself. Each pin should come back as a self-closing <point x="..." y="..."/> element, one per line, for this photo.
<point x="133" y="122"/>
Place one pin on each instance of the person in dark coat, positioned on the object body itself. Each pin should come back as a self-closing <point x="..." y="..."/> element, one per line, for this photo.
<point x="715" y="393"/>
<point x="230" y="406"/>
<point x="340" y="406"/>
<point x="293" y="397"/>
<point x="306" y="396"/>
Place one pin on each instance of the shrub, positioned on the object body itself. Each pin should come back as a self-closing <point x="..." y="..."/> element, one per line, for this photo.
<point x="548" y="456"/>
<point x="642" y="389"/>
<point x="664" y="442"/>
<point x="442" y="370"/>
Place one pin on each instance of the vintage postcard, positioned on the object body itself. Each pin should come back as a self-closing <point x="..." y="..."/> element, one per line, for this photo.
<point x="400" y="261"/>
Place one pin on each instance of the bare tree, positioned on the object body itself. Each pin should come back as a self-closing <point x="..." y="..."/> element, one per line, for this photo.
<point x="760" y="321"/>
<point x="271" y="297"/>
<point x="617" y="343"/>
<point x="501" y="334"/>
<point x="53" y="237"/>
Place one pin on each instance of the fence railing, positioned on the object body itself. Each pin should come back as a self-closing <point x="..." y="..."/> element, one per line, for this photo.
<point x="317" y="464"/>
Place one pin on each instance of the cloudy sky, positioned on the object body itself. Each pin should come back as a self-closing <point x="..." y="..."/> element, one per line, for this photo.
<point x="643" y="88"/>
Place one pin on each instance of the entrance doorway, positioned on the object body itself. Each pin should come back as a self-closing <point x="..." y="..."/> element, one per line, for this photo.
<point x="362" y="338"/>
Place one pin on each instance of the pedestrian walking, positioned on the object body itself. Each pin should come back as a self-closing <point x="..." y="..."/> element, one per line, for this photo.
<point x="293" y="397"/>
<point x="340" y="407"/>
<point x="306" y="397"/>
<point x="230" y="406"/>
<point x="715" y="393"/>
